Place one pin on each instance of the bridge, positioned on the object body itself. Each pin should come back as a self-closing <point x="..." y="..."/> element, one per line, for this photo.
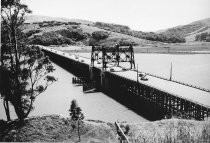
<point x="155" y="98"/>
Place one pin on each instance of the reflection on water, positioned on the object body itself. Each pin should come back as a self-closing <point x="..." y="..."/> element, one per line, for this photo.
<point x="57" y="98"/>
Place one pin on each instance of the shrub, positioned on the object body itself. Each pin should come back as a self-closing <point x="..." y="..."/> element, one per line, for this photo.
<point x="100" y="35"/>
<point x="203" y="37"/>
<point x="74" y="34"/>
<point x="31" y="32"/>
<point x="51" y="38"/>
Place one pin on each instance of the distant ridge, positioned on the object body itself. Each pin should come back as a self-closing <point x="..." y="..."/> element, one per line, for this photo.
<point x="41" y="18"/>
<point x="189" y="31"/>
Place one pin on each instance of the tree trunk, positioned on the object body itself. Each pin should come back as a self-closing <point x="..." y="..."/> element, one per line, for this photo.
<point x="6" y="107"/>
<point x="78" y="131"/>
<point x="19" y="112"/>
<point x="16" y="102"/>
<point x="29" y="110"/>
<point x="18" y="108"/>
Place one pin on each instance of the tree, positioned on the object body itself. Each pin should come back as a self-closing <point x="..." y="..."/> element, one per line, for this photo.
<point x="24" y="68"/>
<point x="100" y="35"/>
<point x="76" y="114"/>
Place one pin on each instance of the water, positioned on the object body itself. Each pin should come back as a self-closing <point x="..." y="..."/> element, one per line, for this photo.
<point x="193" y="69"/>
<point x="189" y="68"/>
<point x="57" y="98"/>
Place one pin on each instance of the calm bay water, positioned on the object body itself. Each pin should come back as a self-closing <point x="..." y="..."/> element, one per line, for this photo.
<point x="189" y="68"/>
<point x="193" y="69"/>
<point x="57" y="98"/>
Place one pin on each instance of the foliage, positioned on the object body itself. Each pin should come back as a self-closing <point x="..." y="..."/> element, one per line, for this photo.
<point x="203" y="37"/>
<point x="100" y="35"/>
<point x="23" y="68"/>
<point x="165" y="37"/>
<point x="31" y="32"/>
<point x="51" y="38"/>
<point x="113" y="27"/>
<point x="59" y="37"/>
<point x="75" y="111"/>
<point x="74" y="34"/>
<point x="76" y="114"/>
<point x="54" y="23"/>
<point x="111" y="42"/>
<point x="182" y="31"/>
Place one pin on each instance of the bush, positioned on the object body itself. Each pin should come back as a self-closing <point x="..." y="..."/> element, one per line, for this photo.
<point x="203" y="37"/>
<point x="74" y="34"/>
<point x="51" y="38"/>
<point x="166" y="37"/>
<point x="100" y="35"/>
<point x="127" y="42"/>
<point x="31" y="32"/>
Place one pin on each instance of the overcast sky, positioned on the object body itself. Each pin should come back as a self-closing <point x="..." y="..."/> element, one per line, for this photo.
<point x="144" y="15"/>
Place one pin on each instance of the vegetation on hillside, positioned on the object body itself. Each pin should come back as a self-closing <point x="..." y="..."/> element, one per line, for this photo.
<point x="71" y="33"/>
<point x="168" y="37"/>
<point x="64" y="36"/>
<point x="116" y="32"/>
<point x="98" y="36"/>
<point x="184" y="30"/>
<point x="203" y="37"/>
<point x="189" y="31"/>
<point x="50" y="38"/>
<point x="54" y="128"/>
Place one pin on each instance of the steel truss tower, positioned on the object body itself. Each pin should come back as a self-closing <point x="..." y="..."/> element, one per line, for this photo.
<point x="112" y="55"/>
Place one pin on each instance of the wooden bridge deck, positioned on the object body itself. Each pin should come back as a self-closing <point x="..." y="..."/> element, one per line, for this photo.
<point x="185" y="92"/>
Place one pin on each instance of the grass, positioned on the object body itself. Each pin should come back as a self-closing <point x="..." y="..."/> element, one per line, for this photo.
<point x="172" y="130"/>
<point x="54" y="128"/>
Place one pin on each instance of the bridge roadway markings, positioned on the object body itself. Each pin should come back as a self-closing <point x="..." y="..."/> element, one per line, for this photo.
<point x="192" y="94"/>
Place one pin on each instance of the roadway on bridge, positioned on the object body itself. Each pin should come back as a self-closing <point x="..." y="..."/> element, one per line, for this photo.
<point x="185" y="92"/>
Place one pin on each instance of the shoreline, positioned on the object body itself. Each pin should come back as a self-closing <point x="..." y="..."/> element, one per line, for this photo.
<point x="152" y="50"/>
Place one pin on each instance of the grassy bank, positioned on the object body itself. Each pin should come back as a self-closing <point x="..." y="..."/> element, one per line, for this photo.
<point x="172" y="130"/>
<point x="54" y="128"/>
<point x="57" y="129"/>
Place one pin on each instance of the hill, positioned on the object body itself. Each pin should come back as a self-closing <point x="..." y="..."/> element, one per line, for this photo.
<point x="54" y="128"/>
<point x="58" y="31"/>
<point x="46" y="31"/>
<point x="189" y="31"/>
<point x="40" y="18"/>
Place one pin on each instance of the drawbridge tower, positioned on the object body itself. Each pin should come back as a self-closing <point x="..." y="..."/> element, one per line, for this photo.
<point x="112" y="56"/>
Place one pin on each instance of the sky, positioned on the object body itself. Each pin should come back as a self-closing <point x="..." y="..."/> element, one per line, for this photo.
<point x="142" y="15"/>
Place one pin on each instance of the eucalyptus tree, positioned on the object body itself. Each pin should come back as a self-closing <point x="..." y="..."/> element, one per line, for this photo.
<point x="24" y="68"/>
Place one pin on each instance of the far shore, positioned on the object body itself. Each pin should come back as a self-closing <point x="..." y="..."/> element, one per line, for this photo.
<point x="138" y="49"/>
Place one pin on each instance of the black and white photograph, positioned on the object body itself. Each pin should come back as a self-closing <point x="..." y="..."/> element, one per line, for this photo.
<point x="105" y="71"/>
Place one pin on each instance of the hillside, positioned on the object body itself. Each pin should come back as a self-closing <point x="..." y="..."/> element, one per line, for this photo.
<point x="54" y="128"/>
<point x="189" y="31"/>
<point x="60" y="31"/>
<point x="47" y="31"/>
